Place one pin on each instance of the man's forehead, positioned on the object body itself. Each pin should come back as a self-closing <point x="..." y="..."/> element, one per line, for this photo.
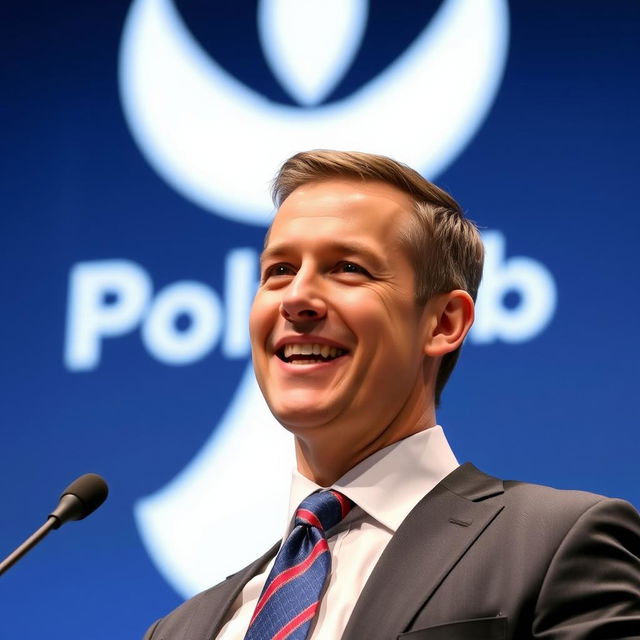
<point x="342" y="203"/>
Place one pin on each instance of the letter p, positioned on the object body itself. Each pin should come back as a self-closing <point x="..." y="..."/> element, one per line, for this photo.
<point x="106" y="298"/>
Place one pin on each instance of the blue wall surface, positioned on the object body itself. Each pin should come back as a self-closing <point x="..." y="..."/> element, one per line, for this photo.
<point x="138" y="140"/>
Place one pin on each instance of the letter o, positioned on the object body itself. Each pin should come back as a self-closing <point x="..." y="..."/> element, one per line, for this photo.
<point x="160" y="334"/>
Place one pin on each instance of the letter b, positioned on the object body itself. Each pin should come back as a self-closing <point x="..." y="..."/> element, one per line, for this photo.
<point x="530" y="280"/>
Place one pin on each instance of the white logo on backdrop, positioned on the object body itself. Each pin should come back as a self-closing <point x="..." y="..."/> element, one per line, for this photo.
<point x="310" y="45"/>
<point x="218" y="143"/>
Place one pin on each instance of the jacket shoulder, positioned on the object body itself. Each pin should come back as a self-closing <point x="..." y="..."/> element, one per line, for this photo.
<point x="188" y="617"/>
<point x="560" y="504"/>
<point x="201" y="616"/>
<point x="538" y="510"/>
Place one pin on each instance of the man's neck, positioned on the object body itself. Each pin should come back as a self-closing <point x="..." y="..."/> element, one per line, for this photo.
<point x="326" y="457"/>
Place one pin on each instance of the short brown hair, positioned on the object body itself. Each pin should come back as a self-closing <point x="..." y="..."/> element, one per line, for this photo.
<point x="444" y="246"/>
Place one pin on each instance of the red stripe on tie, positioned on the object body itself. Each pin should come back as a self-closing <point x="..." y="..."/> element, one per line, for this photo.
<point x="296" y="622"/>
<point x="310" y="517"/>
<point x="345" y="505"/>
<point x="289" y="574"/>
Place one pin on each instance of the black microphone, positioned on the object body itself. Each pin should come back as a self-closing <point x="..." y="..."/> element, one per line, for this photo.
<point x="80" y="499"/>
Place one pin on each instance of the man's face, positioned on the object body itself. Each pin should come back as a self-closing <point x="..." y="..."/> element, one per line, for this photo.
<point x="337" y="338"/>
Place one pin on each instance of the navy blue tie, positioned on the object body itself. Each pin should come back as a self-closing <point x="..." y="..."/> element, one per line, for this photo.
<point x="291" y="594"/>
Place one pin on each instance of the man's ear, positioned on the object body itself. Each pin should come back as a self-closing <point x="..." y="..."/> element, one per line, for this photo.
<point x="449" y="318"/>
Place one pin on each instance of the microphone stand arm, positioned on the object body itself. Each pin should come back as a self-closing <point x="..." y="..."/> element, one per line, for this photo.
<point x="51" y="523"/>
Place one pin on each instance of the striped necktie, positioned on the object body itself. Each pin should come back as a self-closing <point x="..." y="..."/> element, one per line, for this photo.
<point x="291" y="594"/>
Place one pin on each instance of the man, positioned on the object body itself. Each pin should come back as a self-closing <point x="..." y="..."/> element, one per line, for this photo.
<point x="368" y="279"/>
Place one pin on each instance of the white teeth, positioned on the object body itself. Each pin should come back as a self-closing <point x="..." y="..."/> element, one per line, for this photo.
<point x="307" y="349"/>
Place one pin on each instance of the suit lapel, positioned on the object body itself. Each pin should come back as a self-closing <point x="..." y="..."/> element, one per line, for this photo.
<point x="430" y="541"/>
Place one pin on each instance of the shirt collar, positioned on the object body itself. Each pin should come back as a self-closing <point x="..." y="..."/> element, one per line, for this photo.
<point x="405" y="470"/>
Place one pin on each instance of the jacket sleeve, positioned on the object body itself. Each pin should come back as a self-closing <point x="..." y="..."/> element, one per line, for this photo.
<point x="591" y="587"/>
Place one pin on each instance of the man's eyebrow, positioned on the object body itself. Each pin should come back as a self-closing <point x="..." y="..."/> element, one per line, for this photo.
<point x="274" y="251"/>
<point x="354" y="248"/>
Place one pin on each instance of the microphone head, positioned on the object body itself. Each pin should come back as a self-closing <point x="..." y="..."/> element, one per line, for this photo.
<point x="91" y="490"/>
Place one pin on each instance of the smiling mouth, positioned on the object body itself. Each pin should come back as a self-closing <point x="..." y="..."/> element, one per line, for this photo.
<point x="309" y="353"/>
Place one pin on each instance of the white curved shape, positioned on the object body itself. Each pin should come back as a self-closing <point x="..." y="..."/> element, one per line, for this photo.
<point x="201" y="527"/>
<point x="218" y="143"/>
<point x="309" y="45"/>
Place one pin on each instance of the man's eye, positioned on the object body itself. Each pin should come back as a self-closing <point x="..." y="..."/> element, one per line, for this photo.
<point x="351" y="267"/>
<point x="278" y="270"/>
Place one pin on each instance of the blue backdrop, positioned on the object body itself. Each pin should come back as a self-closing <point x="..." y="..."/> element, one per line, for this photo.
<point x="138" y="141"/>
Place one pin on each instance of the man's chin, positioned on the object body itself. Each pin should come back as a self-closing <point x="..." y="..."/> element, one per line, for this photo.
<point x="300" y="416"/>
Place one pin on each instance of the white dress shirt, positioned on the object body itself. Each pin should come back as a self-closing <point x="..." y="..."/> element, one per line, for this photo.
<point x="385" y="487"/>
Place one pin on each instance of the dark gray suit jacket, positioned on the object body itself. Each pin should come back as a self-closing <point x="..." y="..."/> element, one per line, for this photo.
<point x="482" y="559"/>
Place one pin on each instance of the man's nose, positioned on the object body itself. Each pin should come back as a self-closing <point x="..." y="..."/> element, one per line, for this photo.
<point x="303" y="299"/>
